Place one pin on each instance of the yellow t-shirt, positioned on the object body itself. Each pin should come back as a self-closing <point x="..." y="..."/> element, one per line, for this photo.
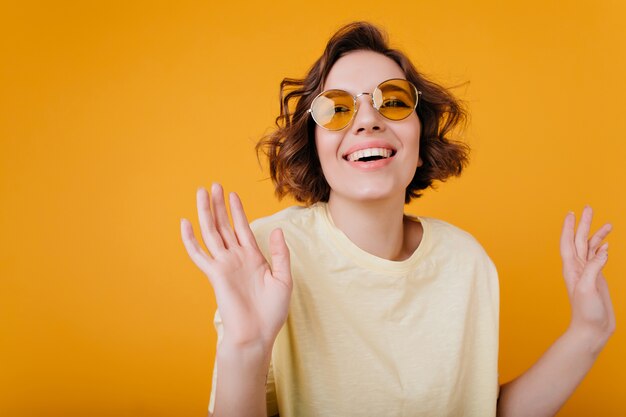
<point x="367" y="336"/>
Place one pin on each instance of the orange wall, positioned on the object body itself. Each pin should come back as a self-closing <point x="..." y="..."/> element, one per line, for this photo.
<point x="112" y="113"/>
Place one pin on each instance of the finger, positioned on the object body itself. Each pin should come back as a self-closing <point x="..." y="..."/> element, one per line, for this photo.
<point x="240" y="221"/>
<point x="193" y="248"/>
<point x="597" y="239"/>
<point x="582" y="233"/>
<point x="281" y="268"/>
<point x="593" y="268"/>
<point x="568" y="249"/>
<point x="221" y="216"/>
<point x="210" y="236"/>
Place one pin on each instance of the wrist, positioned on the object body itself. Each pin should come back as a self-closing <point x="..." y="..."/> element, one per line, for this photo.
<point x="254" y="351"/>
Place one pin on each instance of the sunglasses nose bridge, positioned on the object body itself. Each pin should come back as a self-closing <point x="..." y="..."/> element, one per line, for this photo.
<point x="362" y="94"/>
<point x="371" y="99"/>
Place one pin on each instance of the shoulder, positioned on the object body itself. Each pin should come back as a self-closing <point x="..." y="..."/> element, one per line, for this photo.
<point x="442" y="228"/>
<point x="448" y="237"/>
<point x="457" y="252"/>
<point x="291" y="220"/>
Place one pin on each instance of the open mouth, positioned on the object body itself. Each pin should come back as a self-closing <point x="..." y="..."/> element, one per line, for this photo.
<point x="369" y="154"/>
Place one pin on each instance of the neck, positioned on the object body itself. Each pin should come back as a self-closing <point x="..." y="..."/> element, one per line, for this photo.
<point x="377" y="227"/>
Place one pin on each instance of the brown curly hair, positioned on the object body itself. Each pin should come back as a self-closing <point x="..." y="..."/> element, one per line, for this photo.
<point x="293" y="162"/>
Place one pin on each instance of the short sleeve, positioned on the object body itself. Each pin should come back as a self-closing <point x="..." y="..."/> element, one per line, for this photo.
<point x="270" y="388"/>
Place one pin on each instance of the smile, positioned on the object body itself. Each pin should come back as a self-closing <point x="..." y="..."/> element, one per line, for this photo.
<point x="369" y="154"/>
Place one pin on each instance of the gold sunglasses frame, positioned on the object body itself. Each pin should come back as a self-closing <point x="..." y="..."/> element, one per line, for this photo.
<point x="355" y="98"/>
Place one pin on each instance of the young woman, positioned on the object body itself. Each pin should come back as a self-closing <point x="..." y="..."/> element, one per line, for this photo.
<point x="365" y="310"/>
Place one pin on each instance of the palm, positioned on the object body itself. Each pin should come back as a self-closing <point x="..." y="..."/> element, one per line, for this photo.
<point x="252" y="302"/>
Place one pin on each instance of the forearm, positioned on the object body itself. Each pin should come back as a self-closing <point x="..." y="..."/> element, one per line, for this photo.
<point x="546" y="386"/>
<point x="241" y="378"/>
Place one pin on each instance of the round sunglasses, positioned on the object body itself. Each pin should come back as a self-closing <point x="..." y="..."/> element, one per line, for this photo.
<point x="394" y="99"/>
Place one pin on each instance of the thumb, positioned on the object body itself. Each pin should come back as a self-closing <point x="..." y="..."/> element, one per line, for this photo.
<point x="593" y="268"/>
<point x="281" y="269"/>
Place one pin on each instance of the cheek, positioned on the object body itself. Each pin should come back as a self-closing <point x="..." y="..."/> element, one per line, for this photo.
<point x="325" y="144"/>
<point x="414" y="134"/>
<point x="410" y="137"/>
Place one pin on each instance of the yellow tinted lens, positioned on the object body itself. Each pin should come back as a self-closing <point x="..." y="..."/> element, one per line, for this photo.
<point x="333" y="109"/>
<point x="395" y="99"/>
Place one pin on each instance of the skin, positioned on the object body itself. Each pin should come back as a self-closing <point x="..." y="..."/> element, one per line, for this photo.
<point x="253" y="296"/>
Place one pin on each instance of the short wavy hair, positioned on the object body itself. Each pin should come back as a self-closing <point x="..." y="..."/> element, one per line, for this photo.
<point x="293" y="161"/>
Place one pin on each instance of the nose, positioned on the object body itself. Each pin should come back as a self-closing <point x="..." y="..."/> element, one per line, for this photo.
<point x="367" y="118"/>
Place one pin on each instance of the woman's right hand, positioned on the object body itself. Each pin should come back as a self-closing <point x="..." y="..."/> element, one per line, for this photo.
<point x="252" y="298"/>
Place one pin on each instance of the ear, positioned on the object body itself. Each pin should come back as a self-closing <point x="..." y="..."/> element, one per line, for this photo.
<point x="420" y="162"/>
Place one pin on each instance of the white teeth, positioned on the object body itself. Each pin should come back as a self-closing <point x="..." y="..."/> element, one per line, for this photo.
<point x="364" y="153"/>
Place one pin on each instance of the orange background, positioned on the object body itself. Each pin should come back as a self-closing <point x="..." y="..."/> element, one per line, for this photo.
<point x="113" y="113"/>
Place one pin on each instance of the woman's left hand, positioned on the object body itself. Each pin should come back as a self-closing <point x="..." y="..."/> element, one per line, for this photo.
<point x="583" y="260"/>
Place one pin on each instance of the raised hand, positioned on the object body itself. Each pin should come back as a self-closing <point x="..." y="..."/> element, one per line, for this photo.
<point x="583" y="261"/>
<point x="253" y="299"/>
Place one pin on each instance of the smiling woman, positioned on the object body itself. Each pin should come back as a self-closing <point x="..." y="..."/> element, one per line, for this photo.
<point x="366" y="310"/>
<point x="294" y="163"/>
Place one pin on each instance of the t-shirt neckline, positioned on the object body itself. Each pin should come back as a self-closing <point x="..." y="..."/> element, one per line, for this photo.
<point x="366" y="259"/>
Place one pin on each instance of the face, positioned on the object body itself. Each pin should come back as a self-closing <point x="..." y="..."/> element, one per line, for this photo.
<point x="368" y="132"/>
